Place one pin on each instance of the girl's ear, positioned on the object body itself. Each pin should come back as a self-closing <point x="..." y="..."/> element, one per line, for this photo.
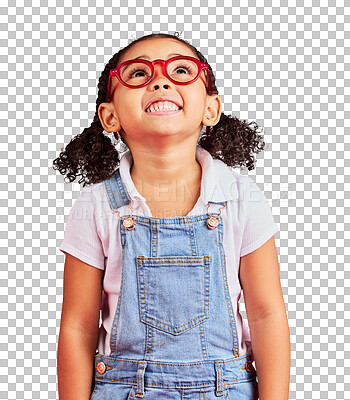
<point x="213" y="111"/>
<point x="109" y="121"/>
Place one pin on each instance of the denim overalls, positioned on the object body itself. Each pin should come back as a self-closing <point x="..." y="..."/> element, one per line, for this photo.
<point x="174" y="332"/>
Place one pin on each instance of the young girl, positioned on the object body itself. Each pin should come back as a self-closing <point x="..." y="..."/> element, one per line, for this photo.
<point x="164" y="239"/>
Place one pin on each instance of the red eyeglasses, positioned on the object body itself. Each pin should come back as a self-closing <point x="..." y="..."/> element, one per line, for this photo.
<point x="181" y="70"/>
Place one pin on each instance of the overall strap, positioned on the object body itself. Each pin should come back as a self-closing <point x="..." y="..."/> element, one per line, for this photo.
<point x="222" y="203"/>
<point x="116" y="192"/>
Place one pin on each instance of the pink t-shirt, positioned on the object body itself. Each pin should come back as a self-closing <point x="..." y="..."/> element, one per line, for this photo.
<point x="92" y="231"/>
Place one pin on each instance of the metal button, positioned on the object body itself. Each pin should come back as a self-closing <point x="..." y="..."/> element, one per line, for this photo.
<point x="212" y="222"/>
<point x="101" y="368"/>
<point x="249" y="366"/>
<point x="129" y="223"/>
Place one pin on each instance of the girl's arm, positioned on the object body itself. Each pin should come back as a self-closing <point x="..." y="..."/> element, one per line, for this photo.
<point x="82" y="292"/>
<point x="267" y="318"/>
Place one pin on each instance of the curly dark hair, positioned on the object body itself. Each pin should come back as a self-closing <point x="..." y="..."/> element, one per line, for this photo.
<point x="92" y="154"/>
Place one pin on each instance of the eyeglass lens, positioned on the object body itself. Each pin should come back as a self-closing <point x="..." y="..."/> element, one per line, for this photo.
<point x="138" y="73"/>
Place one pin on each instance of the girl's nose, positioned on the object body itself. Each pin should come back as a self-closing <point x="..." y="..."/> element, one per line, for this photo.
<point x="159" y="79"/>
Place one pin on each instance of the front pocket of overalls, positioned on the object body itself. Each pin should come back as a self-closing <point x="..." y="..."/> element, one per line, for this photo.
<point x="173" y="291"/>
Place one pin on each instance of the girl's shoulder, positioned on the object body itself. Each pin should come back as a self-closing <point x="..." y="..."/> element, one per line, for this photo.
<point x="95" y="194"/>
<point x="94" y="190"/>
<point x="230" y="182"/>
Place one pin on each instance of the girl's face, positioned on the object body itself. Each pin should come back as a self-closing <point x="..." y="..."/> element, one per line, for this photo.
<point x="127" y="109"/>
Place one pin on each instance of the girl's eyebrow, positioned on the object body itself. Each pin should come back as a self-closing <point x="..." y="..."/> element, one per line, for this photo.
<point x="147" y="58"/>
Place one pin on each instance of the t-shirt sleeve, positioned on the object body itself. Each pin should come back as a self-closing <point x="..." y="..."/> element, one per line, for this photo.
<point x="81" y="237"/>
<point x="259" y="223"/>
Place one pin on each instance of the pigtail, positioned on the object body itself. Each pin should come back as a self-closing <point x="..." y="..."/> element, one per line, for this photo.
<point x="233" y="141"/>
<point x="90" y="154"/>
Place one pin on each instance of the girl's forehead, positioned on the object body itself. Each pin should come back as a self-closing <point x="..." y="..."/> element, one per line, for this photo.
<point x="157" y="48"/>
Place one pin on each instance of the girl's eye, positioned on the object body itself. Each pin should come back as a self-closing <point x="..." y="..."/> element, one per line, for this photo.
<point x="185" y="68"/>
<point x="136" y="71"/>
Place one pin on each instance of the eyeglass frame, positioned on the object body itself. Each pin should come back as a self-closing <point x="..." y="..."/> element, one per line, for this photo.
<point x="201" y="67"/>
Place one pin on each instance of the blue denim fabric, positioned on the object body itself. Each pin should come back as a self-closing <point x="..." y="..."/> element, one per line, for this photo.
<point x="174" y="332"/>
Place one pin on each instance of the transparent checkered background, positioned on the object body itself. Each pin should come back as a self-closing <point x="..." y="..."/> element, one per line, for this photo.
<point x="284" y="66"/>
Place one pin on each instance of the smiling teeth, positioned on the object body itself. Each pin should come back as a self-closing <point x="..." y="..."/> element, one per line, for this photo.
<point x="162" y="106"/>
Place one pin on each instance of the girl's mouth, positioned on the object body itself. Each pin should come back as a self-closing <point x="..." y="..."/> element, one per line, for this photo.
<point x="163" y="107"/>
<point x="163" y="112"/>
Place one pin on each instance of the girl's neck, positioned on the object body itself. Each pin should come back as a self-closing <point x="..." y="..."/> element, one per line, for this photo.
<point x="165" y="172"/>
